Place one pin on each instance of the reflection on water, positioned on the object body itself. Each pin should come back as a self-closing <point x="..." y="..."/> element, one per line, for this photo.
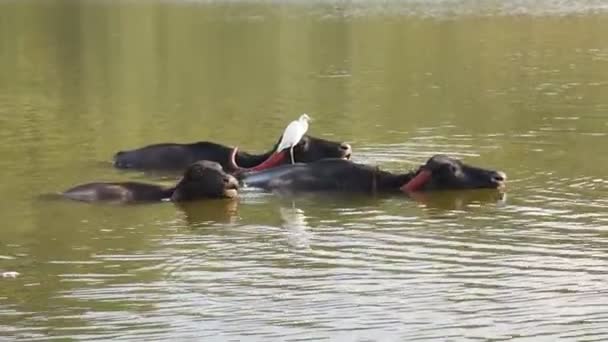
<point x="294" y="222"/>
<point x="460" y="200"/>
<point x="513" y="85"/>
<point x="10" y="274"/>
<point x="205" y="212"/>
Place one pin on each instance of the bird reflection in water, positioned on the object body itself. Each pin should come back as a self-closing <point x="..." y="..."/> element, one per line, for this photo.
<point x="294" y="222"/>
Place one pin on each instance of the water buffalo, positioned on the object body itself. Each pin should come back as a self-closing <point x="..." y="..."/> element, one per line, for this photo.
<point x="203" y="179"/>
<point x="173" y="156"/>
<point x="336" y="175"/>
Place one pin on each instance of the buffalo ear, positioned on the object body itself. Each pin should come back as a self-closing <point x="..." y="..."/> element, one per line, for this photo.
<point x="303" y="143"/>
<point x="175" y="197"/>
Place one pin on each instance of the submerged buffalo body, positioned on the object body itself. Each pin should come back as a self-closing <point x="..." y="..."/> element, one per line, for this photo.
<point x="203" y="179"/>
<point x="336" y="175"/>
<point x="172" y="156"/>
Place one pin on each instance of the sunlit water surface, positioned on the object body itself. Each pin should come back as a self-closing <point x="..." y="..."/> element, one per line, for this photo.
<point x="513" y="85"/>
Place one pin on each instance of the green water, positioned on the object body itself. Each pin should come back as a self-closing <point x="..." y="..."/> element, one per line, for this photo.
<point x="518" y="86"/>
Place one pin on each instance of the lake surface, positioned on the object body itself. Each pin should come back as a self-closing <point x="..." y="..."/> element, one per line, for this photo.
<point x="519" y="86"/>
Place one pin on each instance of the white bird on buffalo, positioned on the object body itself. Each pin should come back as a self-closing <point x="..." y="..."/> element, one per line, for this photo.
<point x="293" y="134"/>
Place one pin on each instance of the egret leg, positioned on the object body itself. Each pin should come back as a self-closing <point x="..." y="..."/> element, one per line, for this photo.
<point x="291" y="153"/>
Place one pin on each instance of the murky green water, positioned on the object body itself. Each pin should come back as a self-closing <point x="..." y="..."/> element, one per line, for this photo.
<point x="514" y="85"/>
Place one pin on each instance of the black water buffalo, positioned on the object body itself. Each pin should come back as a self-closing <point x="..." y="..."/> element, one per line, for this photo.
<point x="203" y="179"/>
<point x="172" y="156"/>
<point x="439" y="173"/>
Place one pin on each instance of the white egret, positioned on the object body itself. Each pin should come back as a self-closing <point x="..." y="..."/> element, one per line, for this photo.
<point x="293" y="134"/>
